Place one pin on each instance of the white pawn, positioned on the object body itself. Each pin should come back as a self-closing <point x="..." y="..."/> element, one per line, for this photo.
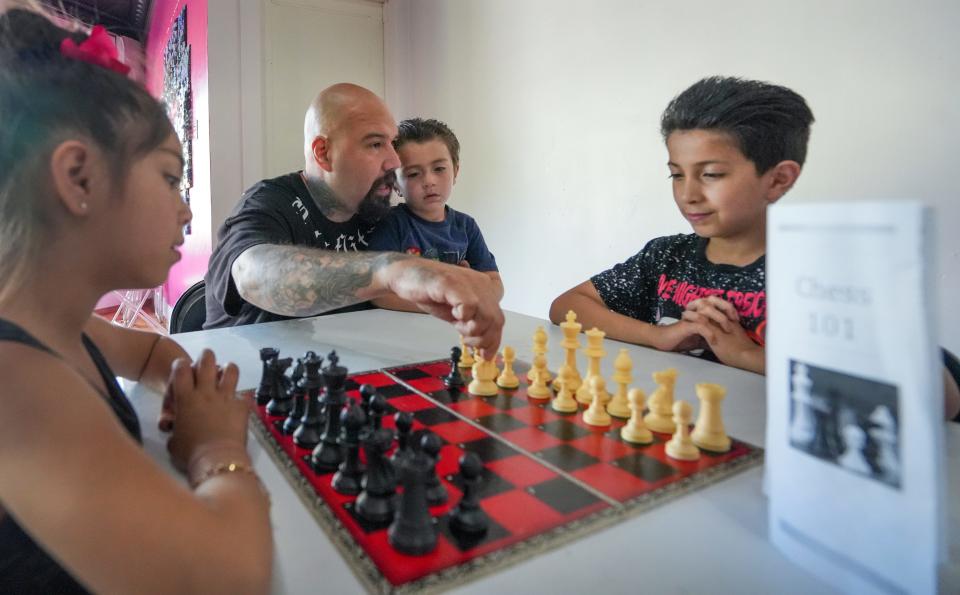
<point x="466" y="356"/>
<point x="596" y="414"/>
<point x="681" y="447"/>
<point x="539" y="348"/>
<point x="482" y="384"/>
<point x="508" y="378"/>
<point x="635" y="432"/>
<point x="564" y="401"/>
<point x="619" y="406"/>
<point x="539" y="388"/>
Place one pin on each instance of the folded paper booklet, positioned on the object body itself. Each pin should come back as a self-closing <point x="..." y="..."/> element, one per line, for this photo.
<point x="855" y="463"/>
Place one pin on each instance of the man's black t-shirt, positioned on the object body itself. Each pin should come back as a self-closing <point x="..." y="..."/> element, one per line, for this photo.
<point x="276" y="211"/>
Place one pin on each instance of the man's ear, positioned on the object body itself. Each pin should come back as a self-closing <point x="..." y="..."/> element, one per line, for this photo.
<point x="321" y="153"/>
<point x="74" y="172"/>
<point x="782" y="177"/>
<point x="456" y="171"/>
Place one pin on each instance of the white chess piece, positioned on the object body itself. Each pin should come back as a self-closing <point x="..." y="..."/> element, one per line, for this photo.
<point x="803" y="426"/>
<point x="852" y="458"/>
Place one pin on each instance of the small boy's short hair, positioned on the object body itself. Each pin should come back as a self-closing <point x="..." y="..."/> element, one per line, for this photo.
<point x="419" y="130"/>
<point x="768" y="122"/>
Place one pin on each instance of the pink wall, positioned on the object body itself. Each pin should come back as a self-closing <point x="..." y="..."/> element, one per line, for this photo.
<point x="196" y="249"/>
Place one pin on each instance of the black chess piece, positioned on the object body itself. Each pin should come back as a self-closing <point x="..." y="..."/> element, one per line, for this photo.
<point x="454" y="379"/>
<point x="267" y="355"/>
<point x="377" y="502"/>
<point x="366" y="393"/>
<point x="328" y="454"/>
<point x="307" y="435"/>
<point x="403" y="420"/>
<point x="413" y="531"/>
<point x="281" y="401"/>
<point x="298" y="395"/>
<point x="378" y="408"/>
<point x="348" y="476"/>
<point x="467" y="516"/>
<point x="431" y="444"/>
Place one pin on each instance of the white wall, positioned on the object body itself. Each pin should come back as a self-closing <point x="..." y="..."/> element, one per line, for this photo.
<point x="557" y="102"/>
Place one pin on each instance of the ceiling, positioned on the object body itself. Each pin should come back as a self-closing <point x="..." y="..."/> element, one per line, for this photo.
<point x="122" y="17"/>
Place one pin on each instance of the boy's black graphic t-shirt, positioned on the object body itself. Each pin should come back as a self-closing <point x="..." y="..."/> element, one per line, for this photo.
<point x="275" y="211"/>
<point x="657" y="283"/>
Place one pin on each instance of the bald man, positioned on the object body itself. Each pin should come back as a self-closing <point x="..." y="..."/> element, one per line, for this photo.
<point x="295" y="245"/>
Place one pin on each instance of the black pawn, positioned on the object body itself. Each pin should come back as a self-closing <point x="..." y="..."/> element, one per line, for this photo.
<point x="403" y="420"/>
<point x="431" y="444"/>
<point x="413" y="531"/>
<point x="378" y="408"/>
<point x="454" y="379"/>
<point x="366" y="393"/>
<point x="267" y="355"/>
<point x="307" y="435"/>
<point x="467" y="516"/>
<point x="328" y="454"/>
<point x="376" y="503"/>
<point x="281" y="401"/>
<point x="347" y="479"/>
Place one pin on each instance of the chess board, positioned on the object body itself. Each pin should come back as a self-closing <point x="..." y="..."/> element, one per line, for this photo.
<point x="548" y="477"/>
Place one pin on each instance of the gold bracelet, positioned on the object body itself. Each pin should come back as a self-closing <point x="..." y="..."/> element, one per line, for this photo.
<point x="232" y="467"/>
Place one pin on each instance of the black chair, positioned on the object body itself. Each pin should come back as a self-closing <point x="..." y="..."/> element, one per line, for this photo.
<point x="190" y="311"/>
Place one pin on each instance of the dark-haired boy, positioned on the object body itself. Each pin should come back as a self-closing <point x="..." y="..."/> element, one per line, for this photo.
<point x="423" y="224"/>
<point x="735" y="147"/>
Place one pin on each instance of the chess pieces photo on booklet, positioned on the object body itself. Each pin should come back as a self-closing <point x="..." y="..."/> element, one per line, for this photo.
<point x="565" y="402"/>
<point x="267" y="355"/>
<point x="847" y="420"/>
<point x="508" y="378"/>
<point x="596" y="414"/>
<point x="619" y="405"/>
<point x="466" y="355"/>
<point x="467" y="516"/>
<point x="594" y="352"/>
<point x="571" y="331"/>
<point x="376" y="502"/>
<point x="539" y="348"/>
<point x="454" y="379"/>
<point x="709" y="433"/>
<point x="484" y="373"/>
<point x="539" y="388"/>
<point x="635" y="431"/>
<point x="431" y="444"/>
<point x="307" y="434"/>
<point x="281" y="401"/>
<point x="660" y="417"/>
<point x="681" y="447"/>
<point x="347" y="478"/>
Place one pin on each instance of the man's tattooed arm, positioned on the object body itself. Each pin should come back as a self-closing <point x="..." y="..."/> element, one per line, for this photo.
<point x="297" y="281"/>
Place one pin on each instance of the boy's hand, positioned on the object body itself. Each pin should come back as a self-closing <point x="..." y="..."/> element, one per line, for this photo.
<point x="679" y="336"/>
<point x="719" y="310"/>
<point x="733" y="347"/>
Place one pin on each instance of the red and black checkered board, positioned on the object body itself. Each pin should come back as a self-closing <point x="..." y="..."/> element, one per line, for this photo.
<point x="548" y="477"/>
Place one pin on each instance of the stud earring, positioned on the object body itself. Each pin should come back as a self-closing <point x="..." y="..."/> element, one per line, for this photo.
<point x="83" y="206"/>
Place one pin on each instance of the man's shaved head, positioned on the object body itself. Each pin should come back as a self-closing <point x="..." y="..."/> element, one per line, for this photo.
<point x="334" y="107"/>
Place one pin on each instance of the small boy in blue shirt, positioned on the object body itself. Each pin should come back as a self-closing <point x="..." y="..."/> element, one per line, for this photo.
<point x="424" y="224"/>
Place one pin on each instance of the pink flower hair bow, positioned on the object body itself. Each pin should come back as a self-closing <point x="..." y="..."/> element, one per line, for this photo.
<point x="98" y="49"/>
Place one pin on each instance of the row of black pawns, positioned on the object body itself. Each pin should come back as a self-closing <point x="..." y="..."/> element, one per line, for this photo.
<point x="321" y="417"/>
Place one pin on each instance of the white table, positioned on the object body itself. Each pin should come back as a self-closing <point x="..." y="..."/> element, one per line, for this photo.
<point x="713" y="540"/>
